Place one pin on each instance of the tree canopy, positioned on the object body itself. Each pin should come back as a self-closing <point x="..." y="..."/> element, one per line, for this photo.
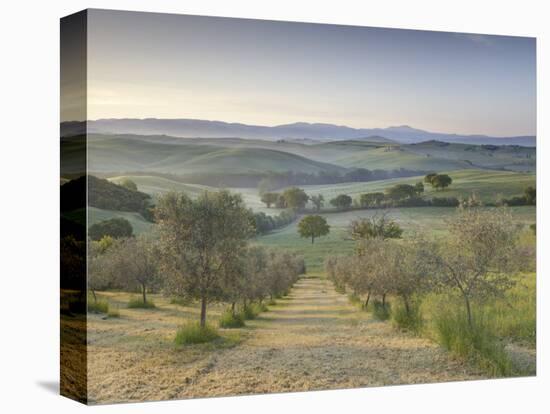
<point x="201" y="242"/>
<point x="313" y="226"/>
<point x="341" y="202"/>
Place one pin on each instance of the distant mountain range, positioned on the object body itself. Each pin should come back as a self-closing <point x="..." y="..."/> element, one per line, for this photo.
<point x="196" y="128"/>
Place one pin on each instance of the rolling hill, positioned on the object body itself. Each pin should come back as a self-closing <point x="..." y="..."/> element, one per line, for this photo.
<point x="135" y="153"/>
<point x="209" y="156"/>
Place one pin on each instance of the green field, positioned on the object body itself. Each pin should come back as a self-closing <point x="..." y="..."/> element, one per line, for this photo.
<point x="430" y="220"/>
<point x="488" y="185"/>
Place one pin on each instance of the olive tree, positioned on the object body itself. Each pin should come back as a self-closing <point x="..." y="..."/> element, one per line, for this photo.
<point x="479" y="254"/>
<point x="201" y="240"/>
<point x="136" y="261"/>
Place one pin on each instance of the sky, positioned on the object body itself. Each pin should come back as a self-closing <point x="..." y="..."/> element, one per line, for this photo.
<point x="143" y="65"/>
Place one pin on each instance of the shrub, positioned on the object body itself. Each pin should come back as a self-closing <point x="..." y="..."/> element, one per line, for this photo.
<point x="100" y="306"/>
<point x="354" y="299"/>
<point x="249" y="312"/>
<point x="410" y="321"/>
<point x="260" y="307"/>
<point x="193" y="333"/>
<point x="229" y="319"/>
<point x="271" y="302"/>
<point x="113" y="313"/>
<point x="475" y="342"/>
<point x="138" y="303"/>
<point x="445" y="202"/>
<point x="381" y="311"/>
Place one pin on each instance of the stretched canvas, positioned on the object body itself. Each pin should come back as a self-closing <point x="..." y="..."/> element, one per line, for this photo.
<point x="253" y="206"/>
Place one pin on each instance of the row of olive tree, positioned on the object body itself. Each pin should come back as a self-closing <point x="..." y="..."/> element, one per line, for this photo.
<point x="199" y="249"/>
<point x="476" y="259"/>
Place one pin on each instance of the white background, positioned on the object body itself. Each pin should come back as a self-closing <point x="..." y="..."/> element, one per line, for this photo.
<point x="29" y="173"/>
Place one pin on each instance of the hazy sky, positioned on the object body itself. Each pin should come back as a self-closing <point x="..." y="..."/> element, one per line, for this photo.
<point x="260" y="72"/>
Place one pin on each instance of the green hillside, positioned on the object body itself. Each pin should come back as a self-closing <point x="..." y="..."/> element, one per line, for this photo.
<point x="396" y="157"/>
<point x="134" y="153"/>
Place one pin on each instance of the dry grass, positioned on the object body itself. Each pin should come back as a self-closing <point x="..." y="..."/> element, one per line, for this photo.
<point x="312" y="339"/>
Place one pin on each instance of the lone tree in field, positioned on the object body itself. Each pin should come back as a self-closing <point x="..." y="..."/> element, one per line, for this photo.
<point x="313" y="227"/>
<point x="295" y="198"/>
<point x="429" y="177"/>
<point x="318" y="201"/>
<point x="479" y="254"/>
<point x="342" y="202"/>
<point x="201" y="240"/>
<point x="269" y="198"/>
<point x="441" y="181"/>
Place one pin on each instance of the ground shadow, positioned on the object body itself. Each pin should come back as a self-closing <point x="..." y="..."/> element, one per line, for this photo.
<point x="51" y="386"/>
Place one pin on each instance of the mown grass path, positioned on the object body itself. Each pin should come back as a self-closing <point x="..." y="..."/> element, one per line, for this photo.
<point x="314" y="339"/>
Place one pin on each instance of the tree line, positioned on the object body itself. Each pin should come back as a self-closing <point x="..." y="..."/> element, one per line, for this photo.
<point x="199" y="249"/>
<point x="475" y="260"/>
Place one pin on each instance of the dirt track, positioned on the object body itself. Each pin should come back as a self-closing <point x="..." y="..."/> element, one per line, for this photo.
<point x="314" y="339"/>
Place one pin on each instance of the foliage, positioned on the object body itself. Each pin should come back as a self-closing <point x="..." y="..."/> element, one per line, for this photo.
<point x="128" y="184"/>
<point x="295" y="198"/>
<point x="115" y="228"/>
<point x="408" y="319"/>
<point x="201" y="242"/>
<point x="264" y="223"/>
<point x="441" y="181"/>
<point x="195" y="333"/>
<point x="313" y="226"/>
<point x="371" y="199"/>
<point x="479" y="254"/>
<point x="377" y="226"/>
<point x="229" y="319"/>
<point x="472" y="341"/>
<point x="98" y="306"/>
<point x="109" y="196"/>
<point x="341" y="202"/>
<point x="269" y="198"/>
<point x="381" y="311"/>
<point x="138" y="303"/>
<point x="401" y="191"/>
<point x="318" y="201"/>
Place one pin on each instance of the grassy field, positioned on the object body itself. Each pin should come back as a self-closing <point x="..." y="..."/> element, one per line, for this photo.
<point x="312" y="339"/>
<point x="429" y="220"/>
